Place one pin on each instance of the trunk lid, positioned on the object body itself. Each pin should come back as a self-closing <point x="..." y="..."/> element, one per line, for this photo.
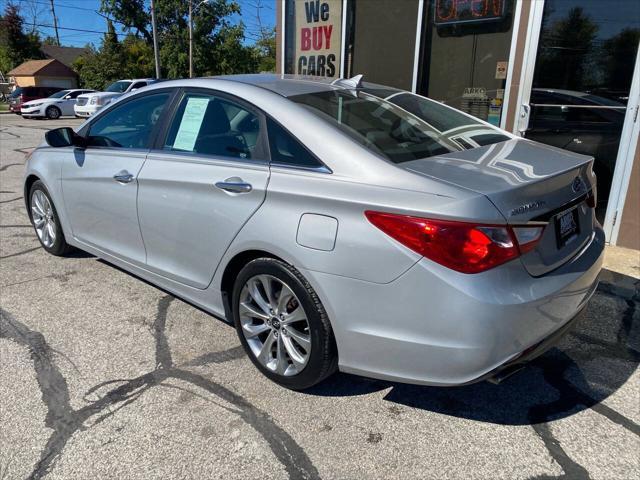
<point x="528" y="183"/>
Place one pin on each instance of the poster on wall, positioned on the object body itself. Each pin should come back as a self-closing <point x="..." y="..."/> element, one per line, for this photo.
<point x="318" y="37"/>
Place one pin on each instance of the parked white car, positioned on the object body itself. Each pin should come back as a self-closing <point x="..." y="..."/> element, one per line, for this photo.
<point x="55" y="106"/>
<point x="90" y="103"/>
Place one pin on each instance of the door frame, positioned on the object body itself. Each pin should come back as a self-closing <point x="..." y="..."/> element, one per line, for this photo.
<point x="628" y="135"/>
<point x="624" y="160"/>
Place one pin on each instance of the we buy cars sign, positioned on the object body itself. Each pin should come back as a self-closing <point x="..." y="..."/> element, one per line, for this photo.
<point x="318" y="37"/>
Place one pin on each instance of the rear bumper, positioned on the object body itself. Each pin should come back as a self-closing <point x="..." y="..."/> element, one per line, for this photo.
<point x="519" y="361"/>
<point x="439" y="327"/>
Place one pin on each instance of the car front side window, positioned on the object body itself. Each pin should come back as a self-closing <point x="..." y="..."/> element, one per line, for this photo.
<point x="128" y="125"/>
<point x="211" y="125"/>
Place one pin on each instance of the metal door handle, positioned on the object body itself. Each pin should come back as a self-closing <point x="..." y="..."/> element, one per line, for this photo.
<point x="234" y="186"/>
<point x="123" y="177"/>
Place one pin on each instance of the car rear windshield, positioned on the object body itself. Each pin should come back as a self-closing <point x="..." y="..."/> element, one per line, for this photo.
<point x="118" y="87"/>
<point x="398" y="125"/>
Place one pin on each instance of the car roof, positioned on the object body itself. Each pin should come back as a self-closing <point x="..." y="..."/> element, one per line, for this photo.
<point x="290" y="85"/>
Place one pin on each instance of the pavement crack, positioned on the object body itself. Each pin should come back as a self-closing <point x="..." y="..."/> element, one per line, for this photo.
<point x="65" y="421"/>
<point x="163" y="352"/>
<point x="572" y="470"/>
<point x="4" y="167"/>
<point x="53" y="387"/>
<point x="12" y="200"/>
<point x="20" y="253"/>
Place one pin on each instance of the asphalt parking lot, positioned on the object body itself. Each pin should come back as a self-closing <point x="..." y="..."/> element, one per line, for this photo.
<point x="104" y="376"/>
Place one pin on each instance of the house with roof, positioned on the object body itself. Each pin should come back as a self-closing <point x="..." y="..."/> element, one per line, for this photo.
<point x="44" y="73"/>
<point x="66" y="55"/>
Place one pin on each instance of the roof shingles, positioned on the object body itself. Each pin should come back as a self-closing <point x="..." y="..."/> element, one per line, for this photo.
<point x="49" y="68"/>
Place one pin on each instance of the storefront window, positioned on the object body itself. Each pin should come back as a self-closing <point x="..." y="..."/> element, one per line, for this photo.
<point x="383" y="38"/>
<point x="465" y="54"/>
<point x="313" y="37"/>
<point x="582" y="79"/>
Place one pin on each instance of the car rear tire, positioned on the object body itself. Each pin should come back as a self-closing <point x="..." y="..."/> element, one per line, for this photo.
<point x="53" y="113"/>
<point x="46" y="222"/>
<point x="282" y="324"/>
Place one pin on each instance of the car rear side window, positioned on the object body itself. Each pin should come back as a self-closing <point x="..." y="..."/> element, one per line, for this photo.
<point x="212" y="125"/>
<point x="286" y="150"/>
<point x="130" y="124"/>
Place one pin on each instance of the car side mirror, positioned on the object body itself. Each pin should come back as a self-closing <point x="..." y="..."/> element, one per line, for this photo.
<point x="133" y="89"/>
<point x="64" y="137"/>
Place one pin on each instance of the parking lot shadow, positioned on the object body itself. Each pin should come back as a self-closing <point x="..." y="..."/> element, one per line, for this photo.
<point x="590" y="363"/>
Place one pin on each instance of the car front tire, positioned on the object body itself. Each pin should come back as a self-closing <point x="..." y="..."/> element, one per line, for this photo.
<point x="53" y="113"/>
<point x="282" y="324"/>
<point x="45" y="221"/>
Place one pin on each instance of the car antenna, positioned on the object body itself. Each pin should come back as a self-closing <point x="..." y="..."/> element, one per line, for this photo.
<point x="353" y="82"/>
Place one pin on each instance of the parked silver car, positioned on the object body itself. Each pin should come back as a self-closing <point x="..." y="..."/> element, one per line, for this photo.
<point x="338" y="225"/>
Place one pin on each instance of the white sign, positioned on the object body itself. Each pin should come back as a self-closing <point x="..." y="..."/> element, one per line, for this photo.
<point x="190" y="124"/>
<point x="475" y="92"/>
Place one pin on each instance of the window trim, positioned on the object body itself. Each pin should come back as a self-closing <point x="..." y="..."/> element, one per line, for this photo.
<point x="86" y="129"/>
<point x="169" y="117"/>
<point x="320" y="168"/>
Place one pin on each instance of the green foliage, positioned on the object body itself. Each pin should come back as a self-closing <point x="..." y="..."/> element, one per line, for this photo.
<point x="218" y="45"/>
<point x="99" y="68"/>
<point x="265" y="51"/>
<point x="15" y="46"/>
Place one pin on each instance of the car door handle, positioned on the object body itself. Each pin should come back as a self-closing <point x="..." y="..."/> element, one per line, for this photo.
<point x="234" y="186"/>
<point x="123" y="177"/>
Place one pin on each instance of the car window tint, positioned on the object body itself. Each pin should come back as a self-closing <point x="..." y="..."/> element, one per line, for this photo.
<point x="285" y="149"/>
<point x="76" y="93"/>
<point x="128" y="125"/>
<point x="139" y="85"/>
<point x="210" y="125"/>
<point x="399" y="128"/>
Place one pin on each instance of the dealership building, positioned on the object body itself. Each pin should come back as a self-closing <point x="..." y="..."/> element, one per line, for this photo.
<point x="562" y="72"/>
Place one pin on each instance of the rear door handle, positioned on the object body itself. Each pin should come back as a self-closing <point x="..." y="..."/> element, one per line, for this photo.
<point x="234" y="185"/>
<point x="123" y="177"/>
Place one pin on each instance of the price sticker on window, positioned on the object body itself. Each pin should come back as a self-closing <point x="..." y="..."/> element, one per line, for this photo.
<point x="190" y="124"/>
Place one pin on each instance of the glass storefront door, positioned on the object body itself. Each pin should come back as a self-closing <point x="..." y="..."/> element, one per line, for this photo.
<point x="581" y="81"/>
<point x="465" y="54"/>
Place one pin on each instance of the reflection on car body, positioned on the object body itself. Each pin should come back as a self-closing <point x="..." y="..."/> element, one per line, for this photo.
<point x="338" y="225"/>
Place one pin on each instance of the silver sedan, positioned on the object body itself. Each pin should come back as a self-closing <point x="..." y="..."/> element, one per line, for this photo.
<point x="339" y="226"/>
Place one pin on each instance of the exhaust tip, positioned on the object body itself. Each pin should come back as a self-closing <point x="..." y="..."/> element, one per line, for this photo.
<point x="505" y="373"/>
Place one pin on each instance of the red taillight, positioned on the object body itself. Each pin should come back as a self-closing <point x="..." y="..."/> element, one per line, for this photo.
<point x="464" y="247"/>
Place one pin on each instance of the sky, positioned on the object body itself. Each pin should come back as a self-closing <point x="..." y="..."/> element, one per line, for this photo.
<point x="82" y="15"/>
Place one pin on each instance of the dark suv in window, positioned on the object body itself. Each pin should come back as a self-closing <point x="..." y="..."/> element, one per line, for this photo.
<point x="25" y="94"/>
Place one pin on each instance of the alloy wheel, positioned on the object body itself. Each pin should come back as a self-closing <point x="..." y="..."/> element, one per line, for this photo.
<point x="53" y="113"/>
<point x="275" y="325"/>
<point x="43" y="218"/>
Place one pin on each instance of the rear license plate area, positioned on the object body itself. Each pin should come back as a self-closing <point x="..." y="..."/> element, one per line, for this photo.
<point x="567" y="226"/>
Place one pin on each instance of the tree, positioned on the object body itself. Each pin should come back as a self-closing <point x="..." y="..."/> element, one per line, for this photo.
<point x="15" y="45"/>
<point x="218" y="44"/>
<point x="138" y="58"/>
<point x="98" y="69"/>
<point x="266" y="51"/>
